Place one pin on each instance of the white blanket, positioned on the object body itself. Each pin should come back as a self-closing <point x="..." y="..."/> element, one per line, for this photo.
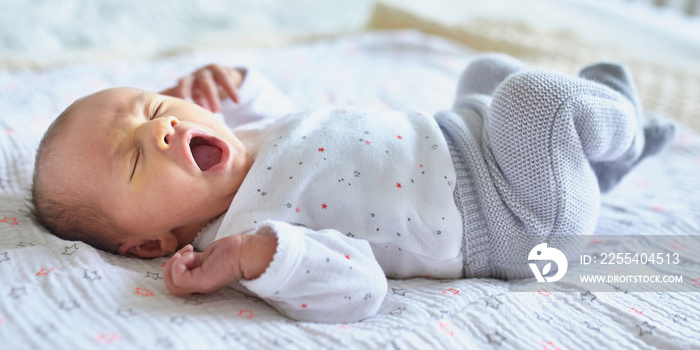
<point x="60" y="294"/>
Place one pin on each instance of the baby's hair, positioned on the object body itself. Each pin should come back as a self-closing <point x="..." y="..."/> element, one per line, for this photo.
<point x="68" y="215"/>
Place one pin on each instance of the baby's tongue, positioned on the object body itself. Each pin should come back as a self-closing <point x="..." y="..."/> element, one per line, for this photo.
<point x="206" y="156"/>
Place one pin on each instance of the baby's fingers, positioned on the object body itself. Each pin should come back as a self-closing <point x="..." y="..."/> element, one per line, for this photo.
<point x="206" y="86"/>
<point x="184" y="87"/>
<point x="224" y="79"/>
<point x="184" y="280"/>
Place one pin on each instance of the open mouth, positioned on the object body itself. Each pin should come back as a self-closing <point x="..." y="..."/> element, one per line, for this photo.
<point x="205" y="152"/>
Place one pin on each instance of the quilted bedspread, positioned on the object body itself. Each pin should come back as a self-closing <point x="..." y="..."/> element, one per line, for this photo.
<point x="65" y="295"/>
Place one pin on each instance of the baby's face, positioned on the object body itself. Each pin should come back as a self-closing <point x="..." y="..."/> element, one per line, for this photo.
<point x="156" y="164"/>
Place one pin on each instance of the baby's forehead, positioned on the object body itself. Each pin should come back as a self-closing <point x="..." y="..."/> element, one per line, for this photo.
<point x="115" y="99"/>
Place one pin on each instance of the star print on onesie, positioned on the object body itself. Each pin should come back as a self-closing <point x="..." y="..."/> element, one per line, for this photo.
<point x="353" y="195"/>
<point x="395" y="192"/>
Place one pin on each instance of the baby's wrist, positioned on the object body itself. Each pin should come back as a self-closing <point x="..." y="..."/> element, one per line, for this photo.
<point x="257" y="252"/>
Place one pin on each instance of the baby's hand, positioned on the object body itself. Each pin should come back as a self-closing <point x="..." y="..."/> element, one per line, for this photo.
<point x="208" y="85"/>
<point x="189" y="272"/>
<point x="224" y="261"/>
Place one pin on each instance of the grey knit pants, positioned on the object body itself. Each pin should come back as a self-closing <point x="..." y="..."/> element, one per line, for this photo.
<point x="522" y="142"/>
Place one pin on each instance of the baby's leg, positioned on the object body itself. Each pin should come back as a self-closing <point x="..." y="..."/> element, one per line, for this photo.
<point x="484" y="74"/>
<point x="543" y="130"/>
<point x="650" y="138"/>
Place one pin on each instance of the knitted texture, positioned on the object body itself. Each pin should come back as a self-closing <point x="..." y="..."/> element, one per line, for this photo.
<point x="527" y="151"/>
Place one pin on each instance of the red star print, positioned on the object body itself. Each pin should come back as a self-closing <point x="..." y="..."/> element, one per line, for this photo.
<point x="398" y="185"/>
<point x="303" y="306"/>
<point x="44" y="271"/>
<point x="11" y="221"/>
<point x="613" y="270"/>
<point x="550" y="346"/>
<point x="446" y="328"/>
<point x="367" y="143"/>
<point x="658" y="208"/>
<point x="107" y="339"/>
<point x="596" y="240"/>
<point x="677" y="246"/>
<point x="451" y="291"/>
<point x="543" y="292"/>
<point x="324" y="206"/>
<point x="639" y="312"/>
<point x="696" y="282"/>
<point x="347" y="256"/>
<point x="399" y="137"/>
<point x="297" y="210"/>
<point x="643" y="183"/>
<point x="321" y="149"/>
<point x="246" y="313"/>
<point x="143" y="292"/>
<point x="421" y="165"/>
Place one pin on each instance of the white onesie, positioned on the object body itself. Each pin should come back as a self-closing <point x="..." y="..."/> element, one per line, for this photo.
<point x="352" y="195"/>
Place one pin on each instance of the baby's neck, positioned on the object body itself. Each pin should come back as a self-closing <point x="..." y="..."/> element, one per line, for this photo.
<point x="186" y="234"/>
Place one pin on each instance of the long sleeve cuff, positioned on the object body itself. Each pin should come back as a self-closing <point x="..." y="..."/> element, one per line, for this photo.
<point x="290" y="250"/>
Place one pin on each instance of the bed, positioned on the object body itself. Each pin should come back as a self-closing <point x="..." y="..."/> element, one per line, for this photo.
<point x="61" y="294"/>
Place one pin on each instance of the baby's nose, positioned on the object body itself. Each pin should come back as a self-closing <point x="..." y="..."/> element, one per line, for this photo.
<point x="165" y="130"/>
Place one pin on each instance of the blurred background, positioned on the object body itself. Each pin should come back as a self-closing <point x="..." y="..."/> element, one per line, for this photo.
<point x="44" y="33"/>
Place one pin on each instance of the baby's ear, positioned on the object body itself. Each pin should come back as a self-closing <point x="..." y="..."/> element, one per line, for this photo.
<point x="164" y="245"/>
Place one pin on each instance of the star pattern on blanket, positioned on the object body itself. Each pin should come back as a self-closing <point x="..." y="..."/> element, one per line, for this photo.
<point x="107" y="339"/>
<point x="445" y="313"/>
<point x="153" y="275"/>
<point x="143" y="292"/>
<point x="9" y="220"/>
<point x="91" y="275"/>
<point x="678" y="318"/>
<point x="495" y="338"/>
<point x="17" y="292"/>
<point x="4" y="257"/>
<point x="230" y="336"/>
<point x="592" y="326"/>
<point x="164" y="343"/>
<point x="620" y="289"/>
<point x="398" y="311"/>
<point x="248" y="314"/>
<point x="493" y="302"/>
<point x="645" y="328"/>
<point x="447" y="328"/>
<point x="69" y="250"/>
<point x="177" y="320"/>
<point x="46" y="329"/>
<point x="68" y="305"/>
<point x="125" y="313"/>
<point x="587" y="296"/>
<point x="543" y="317"/>
<point x="398" y="291"/>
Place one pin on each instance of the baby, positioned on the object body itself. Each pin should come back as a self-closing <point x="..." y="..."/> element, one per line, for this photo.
<point x="311" y="211"/>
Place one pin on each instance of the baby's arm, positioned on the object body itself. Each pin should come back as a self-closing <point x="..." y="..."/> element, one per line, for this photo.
<point x="224" y="261"/>
<point x="319" y="276"/>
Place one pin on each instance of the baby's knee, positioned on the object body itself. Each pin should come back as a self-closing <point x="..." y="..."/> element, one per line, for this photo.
<point x="485" y="73"/>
